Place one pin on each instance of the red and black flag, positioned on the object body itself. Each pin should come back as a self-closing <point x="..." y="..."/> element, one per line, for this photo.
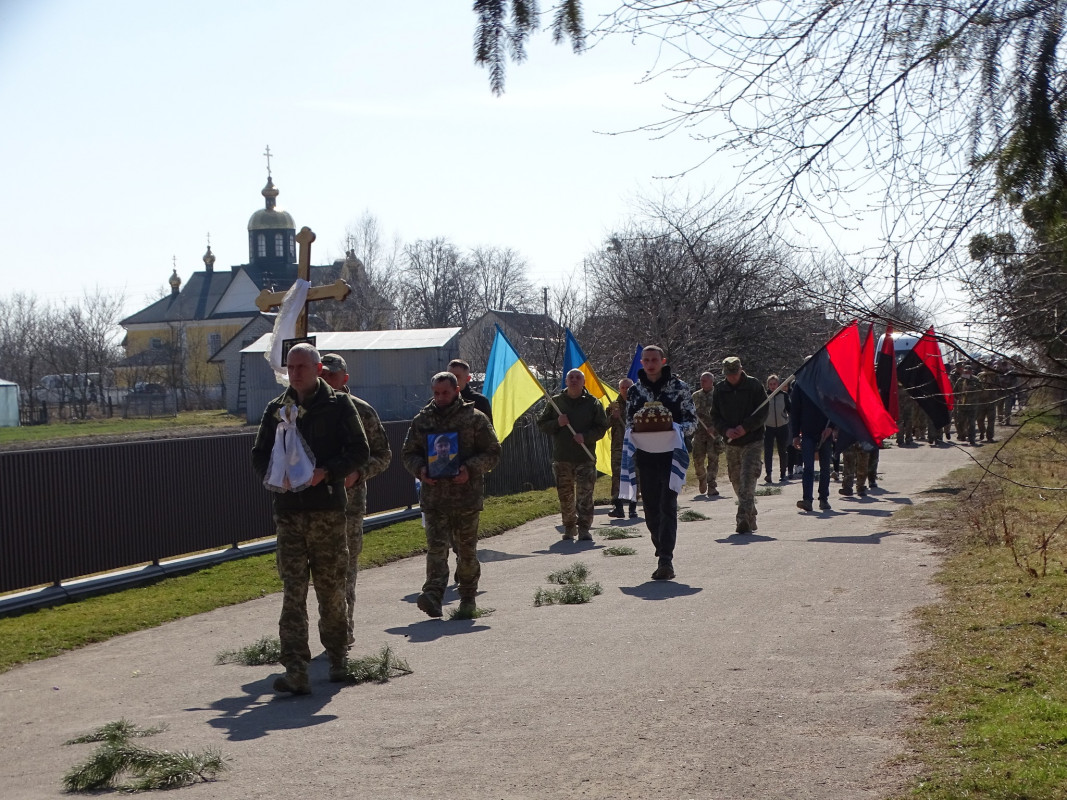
<point x="922" y="373"/>
<point x="886" y="370"/>
<point x="867" y="358"/>
<point x="835" y="381"/>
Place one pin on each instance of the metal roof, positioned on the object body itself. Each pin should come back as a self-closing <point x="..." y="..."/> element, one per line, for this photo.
<point x="329" y="341"/>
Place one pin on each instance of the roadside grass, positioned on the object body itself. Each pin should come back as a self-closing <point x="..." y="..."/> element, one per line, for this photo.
<point x="992" y="684"/>
<point x="145" y="769"/>
<point x="691" y="515"/>
<point x="36" y="635"/>
<point x="69" y="429"/>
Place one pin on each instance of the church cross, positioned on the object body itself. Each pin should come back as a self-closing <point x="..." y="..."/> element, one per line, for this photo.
<point x="267" y="154"/>
<point x="338" y="290"/>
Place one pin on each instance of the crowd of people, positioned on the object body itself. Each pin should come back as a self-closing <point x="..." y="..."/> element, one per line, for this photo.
<point x="318" y="445"/>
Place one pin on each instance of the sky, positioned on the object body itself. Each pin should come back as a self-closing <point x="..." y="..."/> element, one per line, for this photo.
<point x="135" y="130"/>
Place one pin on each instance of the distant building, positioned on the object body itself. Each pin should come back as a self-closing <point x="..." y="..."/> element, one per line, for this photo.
<point x="538" y="338"/>
<point x="391" y="370"/>
<point x="177" y="340"/>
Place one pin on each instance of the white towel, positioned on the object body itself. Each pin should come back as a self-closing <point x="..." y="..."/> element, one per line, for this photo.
<point x="291" y="456"/>
<point x="628" y="476"/>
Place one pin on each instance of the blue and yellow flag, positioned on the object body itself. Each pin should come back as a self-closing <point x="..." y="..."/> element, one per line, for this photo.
<point x="574" y="358"/>
<point x="509" y="385"/>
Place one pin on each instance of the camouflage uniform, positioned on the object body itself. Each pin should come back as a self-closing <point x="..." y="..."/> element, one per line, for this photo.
<point x="451" y="509"/>
<point x="854" y="469"/>
<point x="967" y="390"/>
<point x="617" y="431"/>
<point x="909" y="413"/>
<point x="311" y="524"/>
<point x="987" y="404"/>
<point x="380" y="456"/>
<point x="575" y="472"/>
<point x="707" y="445"/>
<point x="311" y="544"/>
<point x="873" y="457"/>
<point x="743" y="405"/>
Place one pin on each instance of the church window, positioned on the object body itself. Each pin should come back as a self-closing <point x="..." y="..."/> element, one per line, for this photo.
<point x="261" y="246"/>
<point x="279" y="245"/>
<point x="292" y="248"/>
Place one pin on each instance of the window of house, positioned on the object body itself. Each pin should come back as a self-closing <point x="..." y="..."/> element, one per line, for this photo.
<point x="214" y="342"/>
<point x="155" y="343"/>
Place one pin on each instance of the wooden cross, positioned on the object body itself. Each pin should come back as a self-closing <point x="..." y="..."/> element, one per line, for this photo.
<point x="338" y="290"/>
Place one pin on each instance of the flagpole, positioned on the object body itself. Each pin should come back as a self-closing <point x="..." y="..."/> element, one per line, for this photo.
<point x="544" y="391"/>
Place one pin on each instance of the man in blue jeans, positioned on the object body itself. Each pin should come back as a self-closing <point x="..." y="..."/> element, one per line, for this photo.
<point x="813" y="434"/>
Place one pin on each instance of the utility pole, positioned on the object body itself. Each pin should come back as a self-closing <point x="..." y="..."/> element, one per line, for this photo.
<point x="896" y="286"/>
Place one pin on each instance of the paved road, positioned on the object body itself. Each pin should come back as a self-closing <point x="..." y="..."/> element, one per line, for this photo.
<point x="766" y="670"/>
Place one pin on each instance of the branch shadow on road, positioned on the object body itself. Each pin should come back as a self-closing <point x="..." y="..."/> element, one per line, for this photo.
<point x="660" y="590"/>
<point x="874" y="538"/>
<point x="250" y="716"/>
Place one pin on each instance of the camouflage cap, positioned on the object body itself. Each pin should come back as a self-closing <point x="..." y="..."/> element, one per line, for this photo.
<point x="731" y="365"/>
<point x="331" y="362"/>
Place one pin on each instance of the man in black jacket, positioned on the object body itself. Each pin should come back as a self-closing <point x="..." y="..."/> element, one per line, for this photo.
<point x="656" y="384"/>
<point x="813" y="434"/>
<point x="462" y="370"/>
<point x="311" y="518"/>
<point x="738" y="412"/>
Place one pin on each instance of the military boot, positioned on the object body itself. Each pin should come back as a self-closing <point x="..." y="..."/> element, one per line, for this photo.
<point x="633" y="509"/>
<point x="339" y="671"/>
<point x="293" y="682"/>
<point x="616" y="510"/>
<point x="429" y="605"/>
<point x="468" y="608"/>
<point x="570" y="533"/>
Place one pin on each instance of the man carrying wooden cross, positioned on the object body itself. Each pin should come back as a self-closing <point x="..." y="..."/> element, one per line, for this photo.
<point x="310" y="514"/>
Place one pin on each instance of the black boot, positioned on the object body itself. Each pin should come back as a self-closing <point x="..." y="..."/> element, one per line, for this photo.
<point x="617" y="511"/>
<point x="633" y="509"/>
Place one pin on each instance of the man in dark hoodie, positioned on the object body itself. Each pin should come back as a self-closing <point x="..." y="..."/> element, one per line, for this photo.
<point x="813" y="434"/>
<point x="738" y="412"/>
<point x="576" y="423"/>
<point x="462" y="370"/>
<point x="656" y="384"/>
<point x="311" y="519"/>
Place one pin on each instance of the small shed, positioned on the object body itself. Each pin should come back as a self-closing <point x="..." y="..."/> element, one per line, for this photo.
<point x="391" y="370"/>
<point x="9" y="404"/>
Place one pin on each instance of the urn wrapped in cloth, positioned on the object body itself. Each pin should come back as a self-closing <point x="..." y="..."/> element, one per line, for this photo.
<point x="653" y="418"/>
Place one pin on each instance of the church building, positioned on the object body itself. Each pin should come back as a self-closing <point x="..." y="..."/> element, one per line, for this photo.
<point x="178" y="343"/>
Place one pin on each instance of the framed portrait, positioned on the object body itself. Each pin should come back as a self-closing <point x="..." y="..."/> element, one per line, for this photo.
<point x="288" y="344"/>
<point x="443" y="455"/>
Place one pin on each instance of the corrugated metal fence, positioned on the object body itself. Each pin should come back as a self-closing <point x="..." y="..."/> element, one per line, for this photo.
<point x="70" y="512"/>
